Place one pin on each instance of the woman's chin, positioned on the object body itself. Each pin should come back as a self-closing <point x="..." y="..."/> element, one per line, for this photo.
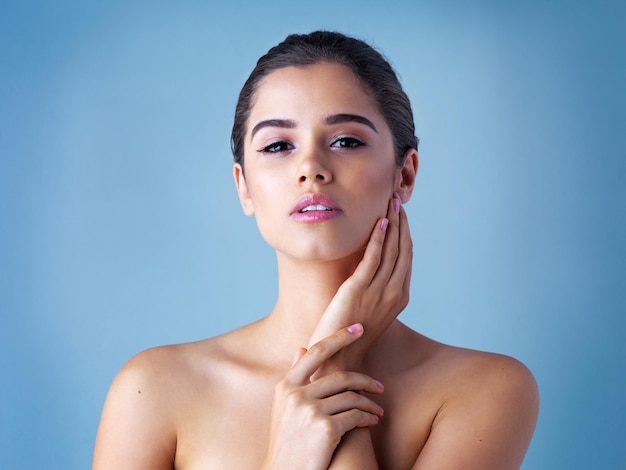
<point x="325" y="254"/>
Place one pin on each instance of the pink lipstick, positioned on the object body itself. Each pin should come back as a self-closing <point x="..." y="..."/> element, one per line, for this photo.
<point x="314" y="208"/>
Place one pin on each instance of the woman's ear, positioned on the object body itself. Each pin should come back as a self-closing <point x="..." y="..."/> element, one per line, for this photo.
<point x="405" y="177"/>
<point x="242" y="190"/>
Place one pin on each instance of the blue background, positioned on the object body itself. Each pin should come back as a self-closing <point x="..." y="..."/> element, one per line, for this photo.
<point x="120" y="228"/>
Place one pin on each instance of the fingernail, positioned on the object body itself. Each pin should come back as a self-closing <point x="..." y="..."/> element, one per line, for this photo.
<point x="383" y="224"/>
<point x="379" y="385"/>
<point x="296" y="357"/>
<point x="396" y="203"/>
<point x="356" y="328"/>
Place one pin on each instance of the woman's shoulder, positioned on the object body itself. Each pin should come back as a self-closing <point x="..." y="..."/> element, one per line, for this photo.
<point x="203" y="363"/>
<point x="457" y="370"/>
<point x="183" y="361"/>
<point x="481" y="402"/>
<point x="159" y="362"/>
<point x="155" y="377"/>
<point x="463" y="368"/>
<point x="153" y="394"/>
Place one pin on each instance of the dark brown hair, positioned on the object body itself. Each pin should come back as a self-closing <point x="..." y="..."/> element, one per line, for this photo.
<point x="370" y="67"/>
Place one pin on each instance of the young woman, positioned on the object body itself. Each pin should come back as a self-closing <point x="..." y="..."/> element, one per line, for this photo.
<point x="325" y="155"/>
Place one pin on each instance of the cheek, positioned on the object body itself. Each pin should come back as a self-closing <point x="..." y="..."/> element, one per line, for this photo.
<point x="269" y="206"/>
<point x="263" y="187"/>
<point x="378" y="187"/>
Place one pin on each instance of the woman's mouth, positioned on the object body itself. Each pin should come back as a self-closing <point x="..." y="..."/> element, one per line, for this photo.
<point x="314" y="208"/>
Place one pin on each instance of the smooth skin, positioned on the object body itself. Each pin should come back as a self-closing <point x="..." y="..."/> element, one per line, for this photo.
<point x="330" y="378"/>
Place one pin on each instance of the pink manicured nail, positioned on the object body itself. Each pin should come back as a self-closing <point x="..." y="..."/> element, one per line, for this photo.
<point x="383" y="224"/>
<point x="396" y="203"/>
<point x="356" y="328"/>
<point x="379" y="385"/>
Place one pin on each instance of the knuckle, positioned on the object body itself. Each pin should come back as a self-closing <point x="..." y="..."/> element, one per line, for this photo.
<point x="365" y="419"/>
<point x="380" y="238"/>
<point x="369" y="418"/>
<point x="372" y="260"/>
<point x="341" y="376"/>
<point x="391" y="297"/>
<point x="399" y="300"/>
<point x="295" y="399"/>
<point x="318" y="349"/>
<point x="282" y="387"/>
<point x="350" y="287"/>
<point x="357" y="417"/>
<point x="329" y="429"/>
<point x="310" y="410"/>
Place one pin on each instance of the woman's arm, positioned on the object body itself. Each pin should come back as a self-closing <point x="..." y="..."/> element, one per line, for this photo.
<point x="375" y="295"/>
<point x="136" y="430"/>
<point x="488" y="422"/>
<point x="355" y="451"/>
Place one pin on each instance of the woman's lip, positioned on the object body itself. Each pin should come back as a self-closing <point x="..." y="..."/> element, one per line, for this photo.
<point x="315" y="216"/>
<point x="317" y="199"/>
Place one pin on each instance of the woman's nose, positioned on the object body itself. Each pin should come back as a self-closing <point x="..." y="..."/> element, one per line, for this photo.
<point x="313" y="168"/>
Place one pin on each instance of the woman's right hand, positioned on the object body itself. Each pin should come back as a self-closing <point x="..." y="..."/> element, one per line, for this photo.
<point x="377" y="291"/>
<point x="310" y="418"/>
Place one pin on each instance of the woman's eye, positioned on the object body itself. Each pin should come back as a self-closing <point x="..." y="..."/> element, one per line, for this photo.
<point x="276" y="147"/>
<point x="347" y="142"/>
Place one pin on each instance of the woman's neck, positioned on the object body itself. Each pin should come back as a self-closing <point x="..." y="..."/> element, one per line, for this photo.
<point x="305" y="288"/>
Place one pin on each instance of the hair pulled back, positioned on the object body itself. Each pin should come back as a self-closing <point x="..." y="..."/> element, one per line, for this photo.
<point x="368" y="65"/>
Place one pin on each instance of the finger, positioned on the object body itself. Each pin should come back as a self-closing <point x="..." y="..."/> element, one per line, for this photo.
<point x="299" y="353"/>
<point x="346" y="401"/>
<point x="381" y="247"/>
<point x="367" y="267"/>
<point x="390" y="249"/>
<point x="342" y="380"/>
<point x="321" y="351"/>
<point x="403" y="264"/>
<point x="353" y="418"/>
<point x="406" y="286"/>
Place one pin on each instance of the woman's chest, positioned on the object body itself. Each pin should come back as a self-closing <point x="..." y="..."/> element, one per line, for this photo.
<point x="225" y="428"/>
<point x="229" y="426"/>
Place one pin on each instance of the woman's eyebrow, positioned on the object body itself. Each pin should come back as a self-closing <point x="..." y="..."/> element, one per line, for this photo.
<point x="339" y="118"/>
<point x="285" y="123"/>
<point x="330" y="120"/>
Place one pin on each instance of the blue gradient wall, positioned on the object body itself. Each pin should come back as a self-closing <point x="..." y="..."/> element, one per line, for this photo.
<point x="120" y="228"/>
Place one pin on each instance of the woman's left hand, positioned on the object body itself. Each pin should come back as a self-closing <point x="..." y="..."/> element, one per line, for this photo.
<point x="377" y="291"/>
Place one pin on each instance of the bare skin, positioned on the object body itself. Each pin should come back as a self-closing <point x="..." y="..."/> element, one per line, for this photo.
<point x="330" y="378"/>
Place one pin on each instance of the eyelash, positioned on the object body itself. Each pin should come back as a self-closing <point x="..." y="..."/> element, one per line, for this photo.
<point x="276" y="147"/>
<point x="283" y="146"/>
<point x="348" y="142"/>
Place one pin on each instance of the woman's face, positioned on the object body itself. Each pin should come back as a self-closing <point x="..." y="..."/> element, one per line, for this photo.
<point x="319" y="162"/>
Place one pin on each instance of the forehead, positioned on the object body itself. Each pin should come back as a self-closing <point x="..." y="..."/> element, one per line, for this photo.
<point x="303" y="92"/>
